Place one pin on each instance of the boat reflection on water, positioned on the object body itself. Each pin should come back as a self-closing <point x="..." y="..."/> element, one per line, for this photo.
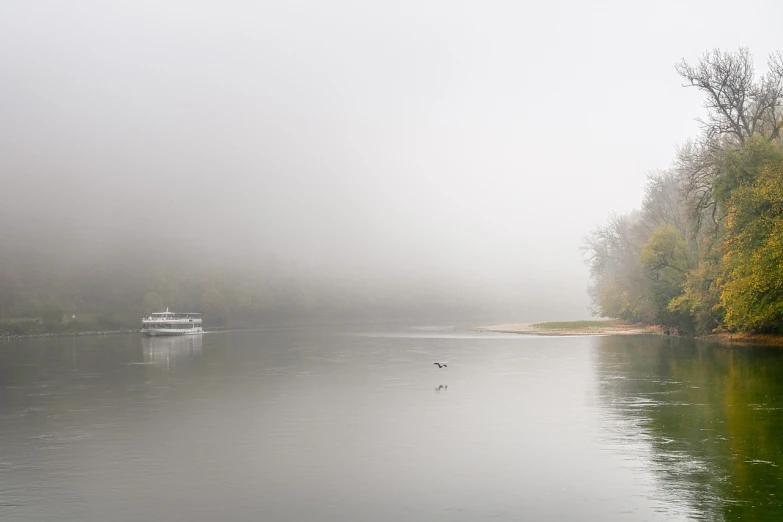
<point x="166" y="351"/>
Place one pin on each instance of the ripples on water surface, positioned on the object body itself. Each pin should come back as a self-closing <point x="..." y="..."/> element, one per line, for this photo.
<point x="358" y="425"/>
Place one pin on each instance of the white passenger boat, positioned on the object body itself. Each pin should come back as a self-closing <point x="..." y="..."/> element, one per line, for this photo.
<point x="170" y="323"/>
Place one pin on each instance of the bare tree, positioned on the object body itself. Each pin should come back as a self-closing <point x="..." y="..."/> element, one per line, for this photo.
<point x="664" y="203"/>
<point x="696" y="165"/>
<point x="612" y="254"/>
<point x="738" y="104"/>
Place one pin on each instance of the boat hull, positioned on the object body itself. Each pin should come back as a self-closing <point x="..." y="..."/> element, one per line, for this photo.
<point x="169" y="332"/>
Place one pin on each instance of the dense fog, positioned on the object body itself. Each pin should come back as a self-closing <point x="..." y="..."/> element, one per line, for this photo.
<point x="424" y="159"/>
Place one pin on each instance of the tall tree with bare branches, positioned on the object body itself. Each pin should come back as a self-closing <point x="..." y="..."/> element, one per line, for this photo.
<point x="739" y="105"/>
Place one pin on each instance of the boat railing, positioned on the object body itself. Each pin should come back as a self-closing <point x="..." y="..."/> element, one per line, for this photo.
<point x="172" y="317"/>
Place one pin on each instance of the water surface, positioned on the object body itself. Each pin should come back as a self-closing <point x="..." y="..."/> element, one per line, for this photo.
<point x="357" y="424"/>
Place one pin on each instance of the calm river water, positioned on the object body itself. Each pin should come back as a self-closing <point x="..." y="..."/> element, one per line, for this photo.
<point x="316" y="424"/>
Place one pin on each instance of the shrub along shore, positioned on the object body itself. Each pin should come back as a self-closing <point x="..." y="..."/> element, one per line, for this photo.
<point x="8" y="336"/>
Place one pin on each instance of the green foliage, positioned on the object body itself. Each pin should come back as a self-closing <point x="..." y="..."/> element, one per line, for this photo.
<point x="737" y="282"/>
<point x="709" y="246"/>
<point x="740" y="167"/>
<point x="572" y="325"/>
<point x="753" y="292"/>
<point x="625" y="299"/>
<point x="665" y="254"/>
<point x="20" y="327"/>
<point x="666" y="261"/>
<point x="701" y="297"/>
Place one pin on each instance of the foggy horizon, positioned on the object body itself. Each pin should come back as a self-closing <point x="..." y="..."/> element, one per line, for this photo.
<point x="429" y="261"/>
<point x="473" y="146"/>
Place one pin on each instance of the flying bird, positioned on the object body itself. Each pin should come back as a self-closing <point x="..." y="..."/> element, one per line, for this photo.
<point x="440" y="365"/>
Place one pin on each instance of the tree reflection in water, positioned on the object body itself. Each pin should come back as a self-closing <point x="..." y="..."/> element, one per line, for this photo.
<point x="712" y="414"/>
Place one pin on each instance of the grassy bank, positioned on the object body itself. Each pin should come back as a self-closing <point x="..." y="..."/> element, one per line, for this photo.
<point x="573" y="325"/>
<point x="617" y="327"/>
<point x="601" y="327"/>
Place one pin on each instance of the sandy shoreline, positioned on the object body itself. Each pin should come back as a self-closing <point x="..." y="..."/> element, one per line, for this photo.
<point x="611" y="328"/>
<point x="620" y="328"/>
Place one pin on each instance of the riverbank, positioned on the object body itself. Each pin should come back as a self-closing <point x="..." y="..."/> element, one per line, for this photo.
<point x="615" y="327"/>
<point x="66" y="334"/>
<point x="745" y="339"/>
<point x="8" y="337"/>
<point x="564" y="328"/>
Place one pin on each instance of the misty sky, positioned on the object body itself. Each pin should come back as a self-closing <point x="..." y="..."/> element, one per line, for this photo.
<point x="478" y="139"/>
